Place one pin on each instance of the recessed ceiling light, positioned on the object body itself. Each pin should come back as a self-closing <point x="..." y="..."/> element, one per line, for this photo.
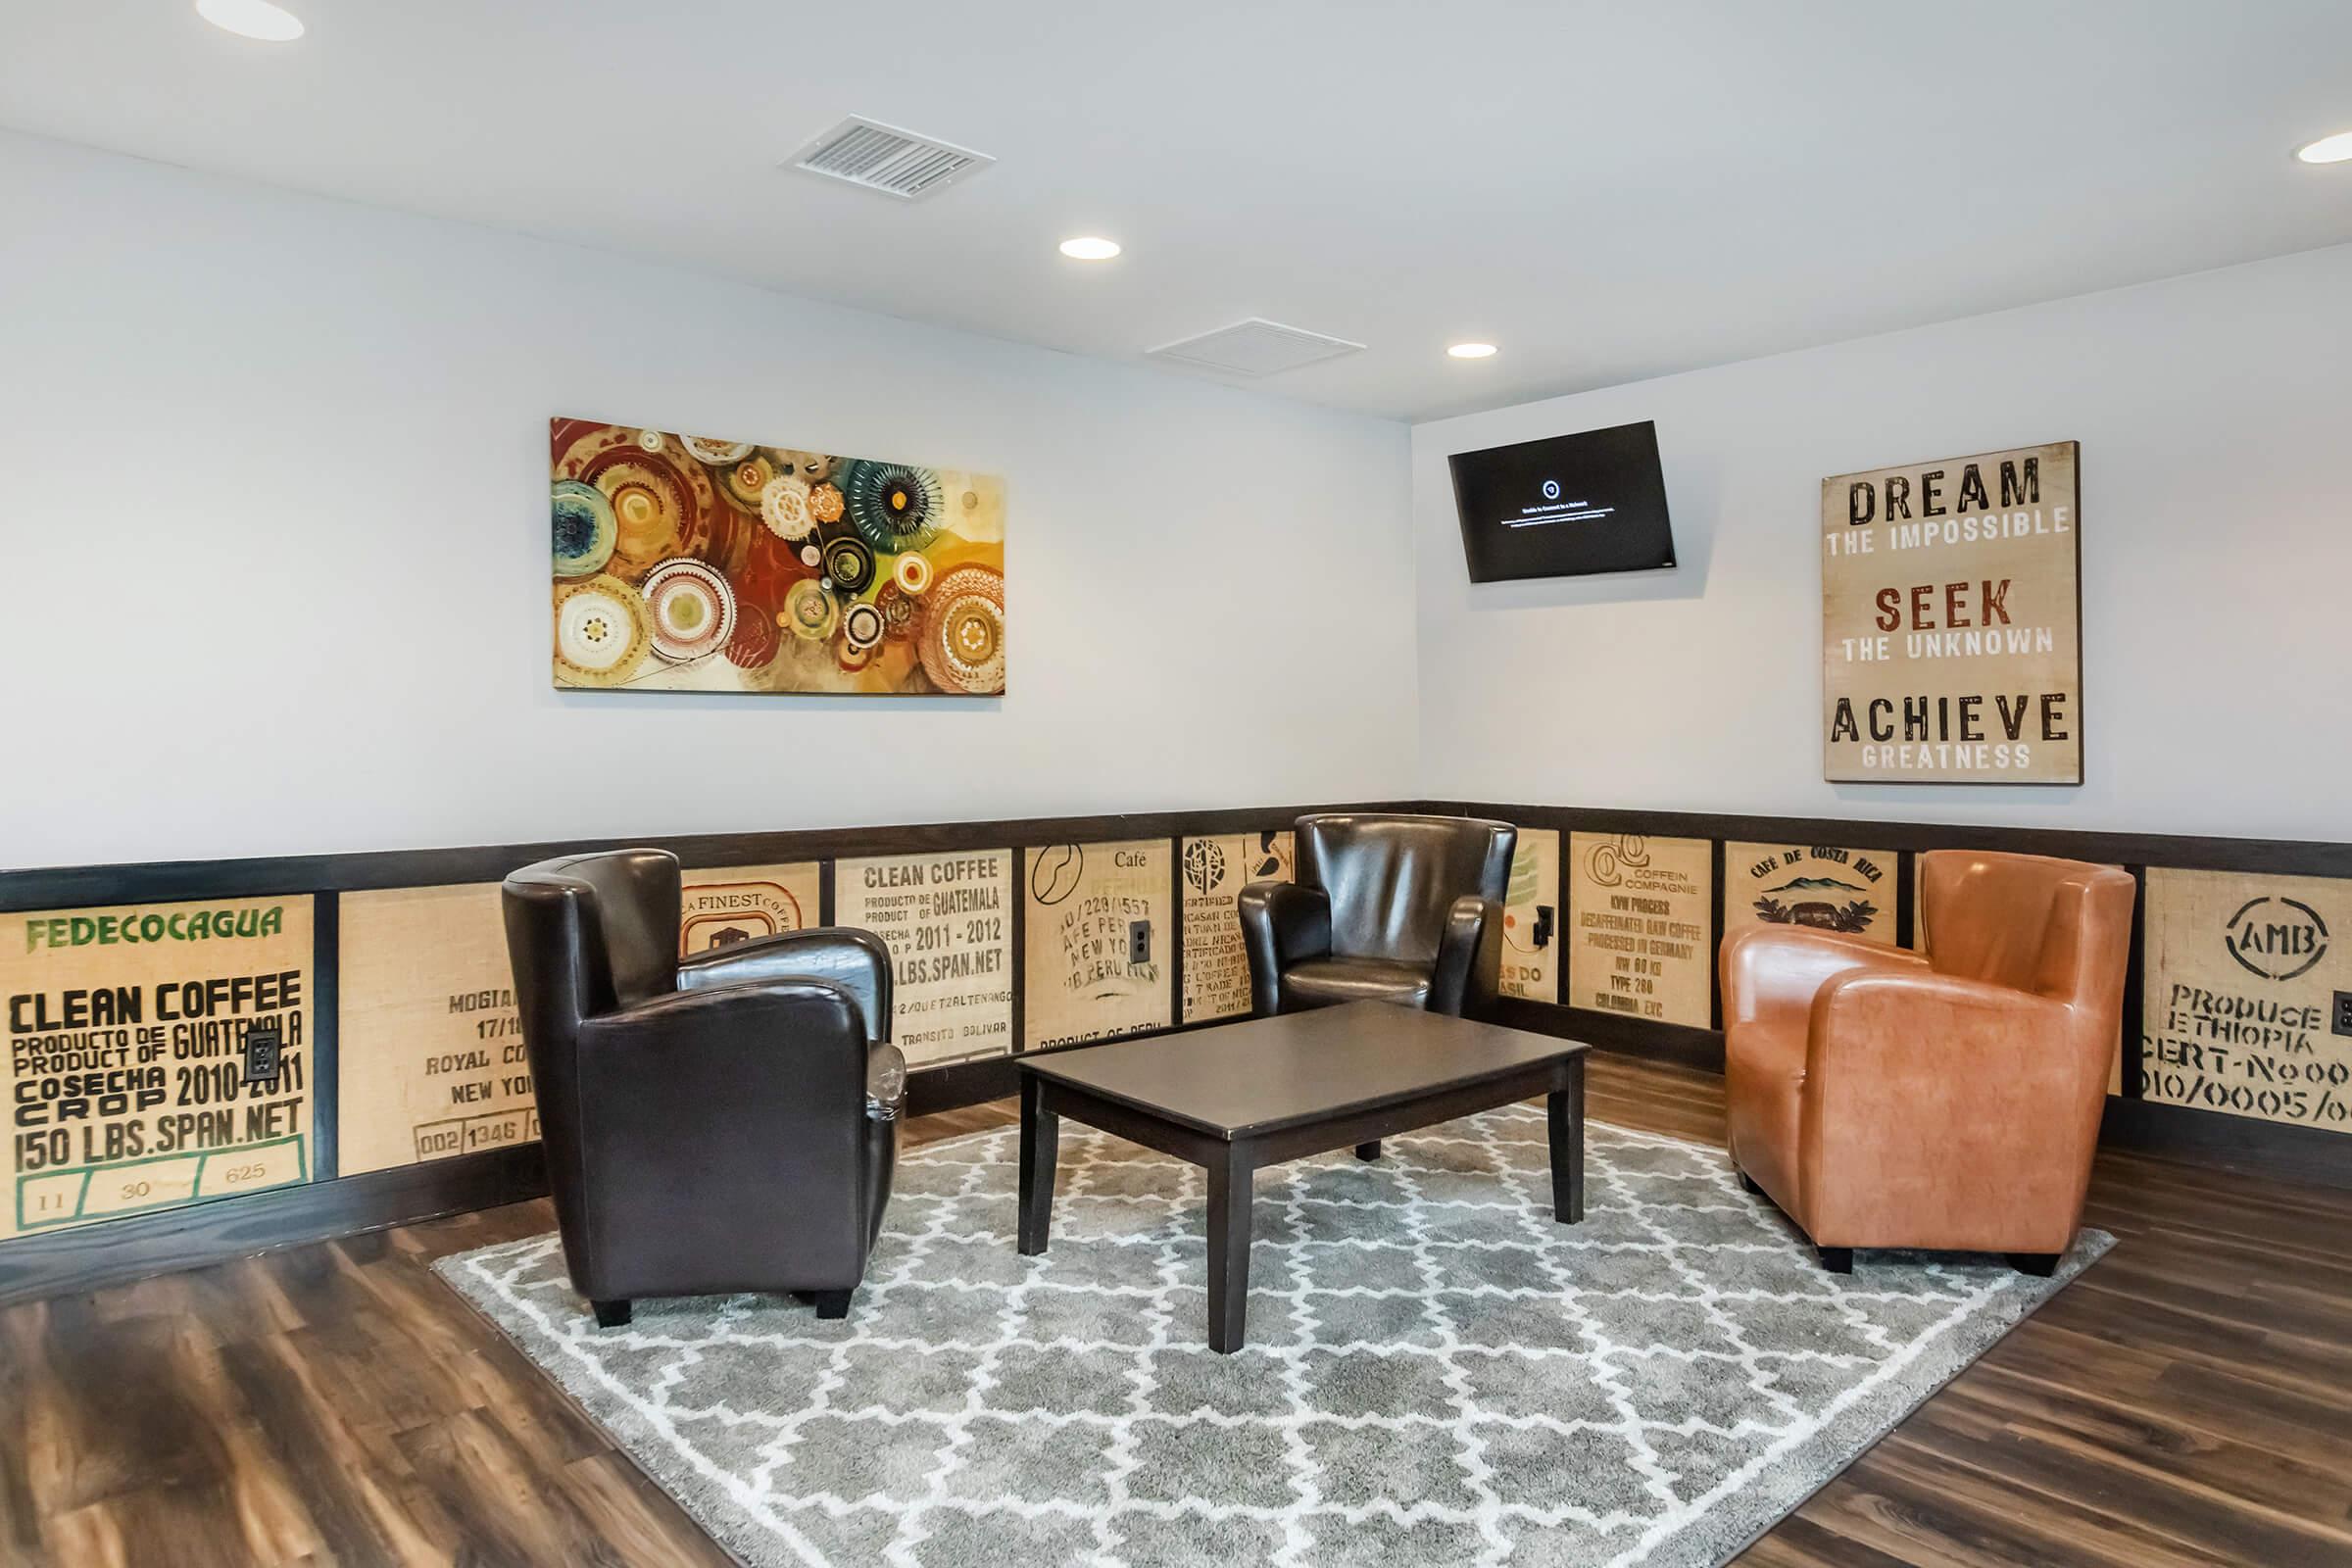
<point x="251" y="18"/>
<point x="1472" y="350"/>
<point x="1090" y="248"/>
<point x="2335" y="149"/>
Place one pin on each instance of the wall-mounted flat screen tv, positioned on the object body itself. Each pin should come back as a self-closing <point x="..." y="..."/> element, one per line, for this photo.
<point x="1568" y="506"/>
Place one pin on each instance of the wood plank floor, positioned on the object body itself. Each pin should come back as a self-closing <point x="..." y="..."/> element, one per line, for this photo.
<point x="2188" y="1401"/>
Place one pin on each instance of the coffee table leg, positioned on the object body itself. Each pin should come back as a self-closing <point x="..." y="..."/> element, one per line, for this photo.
<point x="1370" y="1150"/>
<point x="1040" y="1139"/>
<point x="1564" y="1109"/>
<point x="1228" y="1253"/>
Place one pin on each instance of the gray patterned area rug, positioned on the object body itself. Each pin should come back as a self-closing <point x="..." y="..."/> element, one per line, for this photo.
<point x="1436" y="1374"/>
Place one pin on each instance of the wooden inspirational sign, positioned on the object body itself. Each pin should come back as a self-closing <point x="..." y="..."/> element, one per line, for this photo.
<point x="1951" y="622"/>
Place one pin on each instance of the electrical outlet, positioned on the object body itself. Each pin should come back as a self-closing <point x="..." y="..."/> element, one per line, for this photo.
<point x="1139" y="943"/>
<point x="2343" y="1013"/>
<point x="263" y="1041"/>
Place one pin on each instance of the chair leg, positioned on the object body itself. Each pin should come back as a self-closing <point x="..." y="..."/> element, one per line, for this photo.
<point x="611" y="1314"/>
<point x="2041" y="1265"/>
<point x="1837" y="1259"/>
<point x="1370" y="1150"/>
<point x="1748" y="1183"/>
<point x="833" y="1303"/>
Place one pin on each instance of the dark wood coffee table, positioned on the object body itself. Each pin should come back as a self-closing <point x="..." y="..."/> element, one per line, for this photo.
<point x="1241" y="1096"/>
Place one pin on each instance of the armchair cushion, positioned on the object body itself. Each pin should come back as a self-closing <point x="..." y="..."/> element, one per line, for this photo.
<point x="1327" y="982"/>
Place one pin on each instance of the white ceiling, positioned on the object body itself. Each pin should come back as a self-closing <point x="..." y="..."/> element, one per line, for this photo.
<point x="1609" y="189"/>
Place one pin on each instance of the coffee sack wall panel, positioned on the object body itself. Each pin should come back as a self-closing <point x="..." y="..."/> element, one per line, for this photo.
<point x="2246" y="998"/>
<point x="1214" y="868"/>
<point x="158" y="1055"/>
<point x="1098" y="941"/>
<point x="1641" y="923"/>
<point x="948" y="921"/>
<point x="1531" y="918"/>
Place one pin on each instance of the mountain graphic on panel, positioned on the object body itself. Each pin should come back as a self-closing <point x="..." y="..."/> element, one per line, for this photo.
<point x="1807" y="882"/>
<point x="1820" y="913"/>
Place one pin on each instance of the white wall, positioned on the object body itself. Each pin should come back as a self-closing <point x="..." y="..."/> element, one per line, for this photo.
<point x="273" y="497"/>
<point x="2214" y="414"/>
<point x="273" y="469"/>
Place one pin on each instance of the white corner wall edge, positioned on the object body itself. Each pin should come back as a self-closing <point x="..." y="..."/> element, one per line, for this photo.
<point x="276" y="474"/>
<point x="2215" y="413"/>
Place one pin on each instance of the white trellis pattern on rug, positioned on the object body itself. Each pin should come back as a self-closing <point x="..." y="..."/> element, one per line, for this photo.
<point x="1437" y="1372"/>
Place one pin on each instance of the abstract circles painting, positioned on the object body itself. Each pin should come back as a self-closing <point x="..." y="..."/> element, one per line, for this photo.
<point x="584" y="529"/>
<point x="849" y="566"/>
<point x="895" y="507"/>
<point x="703" y="449"/>
<point x="661" y="499"/>
<point x="812" y="612"/>
<point x="692" y="610"/>
<point x="861" y="627"/>
<point x="697" y="562"/>
<point x="600" y="632"/>
<point x="962" y="640"/>
<point x="784" y="506"/>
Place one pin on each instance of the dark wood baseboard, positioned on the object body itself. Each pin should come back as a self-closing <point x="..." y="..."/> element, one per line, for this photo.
<point x="89" y="1256"/>
<point x="1684" y="1047"/>
<point x="967" y="1083"/>
<point x="2241" y="1144"/>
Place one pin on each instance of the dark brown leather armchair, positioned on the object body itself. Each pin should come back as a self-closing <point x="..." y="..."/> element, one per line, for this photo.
<point x="1394" y="909"/>
<point x="720" y="1123"/>
<point x="1949" y="1101"/>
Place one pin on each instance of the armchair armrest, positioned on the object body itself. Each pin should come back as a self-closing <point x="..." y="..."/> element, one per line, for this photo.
<point x="1971" y="1109"/>
<point x="1772" y="973"/>
<point x="750" y="1094"/>
<point x="1282" y="923"/>
<point x="751" y="1017"/>
<point x="885" y="1082"/>
<point x="1469" y="962"/>
<point x="856" y="960"/>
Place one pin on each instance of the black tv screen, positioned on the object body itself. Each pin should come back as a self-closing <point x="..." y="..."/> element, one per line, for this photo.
<point x="1568" y="506"/>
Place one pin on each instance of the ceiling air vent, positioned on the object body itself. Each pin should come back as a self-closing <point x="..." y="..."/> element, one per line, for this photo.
<point x="878" y="157"/>
<point x="1255" y="347"/>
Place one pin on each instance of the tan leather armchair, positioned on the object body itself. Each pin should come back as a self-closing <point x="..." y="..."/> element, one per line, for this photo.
<point x="1949" y="1101"/>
